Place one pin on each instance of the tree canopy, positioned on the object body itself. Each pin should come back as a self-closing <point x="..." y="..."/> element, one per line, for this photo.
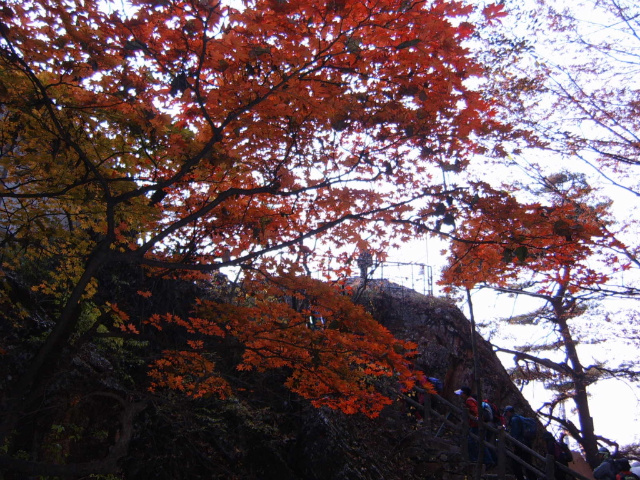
<point x="190" y="136"/>
<point x="267" y="138"/>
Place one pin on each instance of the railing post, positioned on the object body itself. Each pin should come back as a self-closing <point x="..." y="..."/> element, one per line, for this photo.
<point x="427" y="410"/>
<point x="482" y="436"/>
<point x="550" y="467"/>
<point x="465" y="435"/>
<point x="502" y="454"/>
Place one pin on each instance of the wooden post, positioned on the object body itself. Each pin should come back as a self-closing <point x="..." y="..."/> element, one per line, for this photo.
<point x="478" y="388"/>
<point x="482" y="435"/>
<point x="502" y="454"/>
<point x="427" y="410"/>
<point x="550" y="467"/>
<point x="465" y="435"/>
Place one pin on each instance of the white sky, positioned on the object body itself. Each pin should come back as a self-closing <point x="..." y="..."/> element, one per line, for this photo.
<point x="613" y="403"/>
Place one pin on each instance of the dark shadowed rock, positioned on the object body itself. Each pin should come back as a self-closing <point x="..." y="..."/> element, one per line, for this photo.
<point x="443" y="335"/>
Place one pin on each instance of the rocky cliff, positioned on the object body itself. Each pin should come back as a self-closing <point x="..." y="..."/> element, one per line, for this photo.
<point x="443" y="335"/>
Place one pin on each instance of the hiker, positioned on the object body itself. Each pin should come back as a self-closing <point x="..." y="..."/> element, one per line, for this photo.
<point x="471" y="405"/>
<point x="625" y="472"/>
<point x="560" y="452"/>
<point x="436" y="404"/>
<point x="607" y="470"/>
<point x="497" y="419"/>
<point x="516" y="428"/>
<point x="493" y="417"/>
<point x="437" y="384"/>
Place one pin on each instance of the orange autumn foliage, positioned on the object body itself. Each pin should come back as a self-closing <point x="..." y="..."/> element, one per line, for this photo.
<point x="503" y="241"/>
<point x="561" y="249"/>
<point x="192" y="135"/>
<point x="333" y="349"/>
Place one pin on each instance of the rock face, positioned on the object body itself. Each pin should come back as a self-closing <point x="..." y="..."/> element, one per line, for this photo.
<point x="443" y="335"/>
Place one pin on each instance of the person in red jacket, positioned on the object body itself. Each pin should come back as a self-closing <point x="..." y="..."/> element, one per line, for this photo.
<point x="625" y="472"/>
<point x="471" y="405"/>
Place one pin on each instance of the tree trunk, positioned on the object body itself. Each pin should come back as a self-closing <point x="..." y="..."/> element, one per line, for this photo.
<point x="52" y="348"/>
<point x="580" y="396"/>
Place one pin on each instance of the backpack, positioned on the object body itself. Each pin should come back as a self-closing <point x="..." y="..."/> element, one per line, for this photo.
<point x="561" y="452"/>
<point x="487" y="413"/>
<point x="497" y="416"/>
<point x="529" y="428"/>
<point x="627" y="476"/>
<point x="607" y="469"/>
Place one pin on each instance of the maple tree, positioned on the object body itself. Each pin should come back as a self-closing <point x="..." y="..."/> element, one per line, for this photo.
<point x="563" y="253"/>
<point x="190" y="136"/>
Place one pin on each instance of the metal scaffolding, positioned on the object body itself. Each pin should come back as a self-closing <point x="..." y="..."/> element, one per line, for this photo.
<point x="416" y="276"/>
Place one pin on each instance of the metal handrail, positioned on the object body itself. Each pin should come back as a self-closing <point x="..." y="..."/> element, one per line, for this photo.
<point x="548" y="461"/>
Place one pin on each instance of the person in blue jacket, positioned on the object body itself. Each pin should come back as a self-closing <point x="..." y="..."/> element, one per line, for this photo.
<point x="608" y="469"/>
<point x="515" y="427"/>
